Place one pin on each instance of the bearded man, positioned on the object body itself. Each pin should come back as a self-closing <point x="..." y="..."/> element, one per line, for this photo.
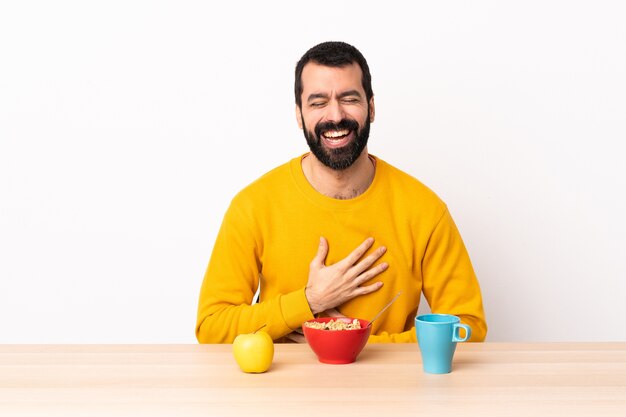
<point x="335" y="231"/>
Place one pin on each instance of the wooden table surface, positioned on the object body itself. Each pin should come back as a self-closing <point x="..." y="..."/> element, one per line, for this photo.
<point x="488" y="379"/>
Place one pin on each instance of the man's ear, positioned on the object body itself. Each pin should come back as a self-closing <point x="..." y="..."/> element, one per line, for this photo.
<point x="372" y="110"/>
<point x="299" y="116"/>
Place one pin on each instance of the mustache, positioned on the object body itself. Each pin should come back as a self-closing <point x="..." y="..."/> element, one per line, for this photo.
<point x="343" y="124"/>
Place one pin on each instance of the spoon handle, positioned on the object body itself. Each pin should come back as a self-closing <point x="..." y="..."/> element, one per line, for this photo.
<point x="384" y="308"/>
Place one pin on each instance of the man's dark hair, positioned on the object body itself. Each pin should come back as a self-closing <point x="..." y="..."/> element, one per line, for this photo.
<point x="333" y="54"/>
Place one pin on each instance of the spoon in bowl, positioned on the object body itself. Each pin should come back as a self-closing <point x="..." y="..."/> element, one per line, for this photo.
<point x="384" y="308"/>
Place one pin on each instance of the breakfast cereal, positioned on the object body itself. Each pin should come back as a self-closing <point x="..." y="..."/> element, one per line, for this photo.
<point x="334" y="325"/>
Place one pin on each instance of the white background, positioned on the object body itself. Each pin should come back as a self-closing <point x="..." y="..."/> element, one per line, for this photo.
<point x="126" y="127"/>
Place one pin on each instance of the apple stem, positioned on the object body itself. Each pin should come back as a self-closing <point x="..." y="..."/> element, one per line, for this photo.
<point x="260" y="328"/>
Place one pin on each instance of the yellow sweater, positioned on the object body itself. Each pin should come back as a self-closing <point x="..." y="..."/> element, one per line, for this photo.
<point x="270" y="234"/>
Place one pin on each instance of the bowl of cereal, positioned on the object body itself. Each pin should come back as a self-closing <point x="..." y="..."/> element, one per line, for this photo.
<point x="336" y="340"/>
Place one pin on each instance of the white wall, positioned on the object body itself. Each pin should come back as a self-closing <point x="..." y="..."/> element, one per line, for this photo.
<point x="127" y="126"/>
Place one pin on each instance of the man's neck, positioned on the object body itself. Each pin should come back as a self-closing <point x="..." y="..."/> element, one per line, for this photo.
<point x="346" y="184"/>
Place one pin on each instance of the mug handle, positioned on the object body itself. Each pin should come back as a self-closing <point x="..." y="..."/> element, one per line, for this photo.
<point x="456" y="332"/>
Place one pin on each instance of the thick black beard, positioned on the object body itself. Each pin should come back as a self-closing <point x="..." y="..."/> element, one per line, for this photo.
<point x="337" y="159"/>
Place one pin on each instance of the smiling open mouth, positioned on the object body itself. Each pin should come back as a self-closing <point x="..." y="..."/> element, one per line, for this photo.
<point x="336" y="134"/>
<point x="337" y="138"/>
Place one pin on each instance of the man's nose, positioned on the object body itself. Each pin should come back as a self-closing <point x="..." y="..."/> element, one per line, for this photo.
<point x="335" y="111"/>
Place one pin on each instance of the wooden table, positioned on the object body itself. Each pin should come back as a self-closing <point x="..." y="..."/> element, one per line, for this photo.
<point x="489" y="379"/>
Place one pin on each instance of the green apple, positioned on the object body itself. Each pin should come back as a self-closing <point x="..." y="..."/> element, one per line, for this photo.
<point x="254" y="352"/>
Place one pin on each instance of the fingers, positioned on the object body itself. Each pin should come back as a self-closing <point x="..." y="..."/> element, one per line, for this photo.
<point x="366" y="263"/>
<point x="367" y="289"/>
<point x="322" y="251"/>
<point x="356" y="254"/>
<point x="371" y="273"/>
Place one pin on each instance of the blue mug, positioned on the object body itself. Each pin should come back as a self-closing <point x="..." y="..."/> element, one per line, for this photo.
<point x="437" y="335"/>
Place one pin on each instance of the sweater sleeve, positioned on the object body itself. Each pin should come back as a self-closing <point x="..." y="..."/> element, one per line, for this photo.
<point x="225" y="308"/>
<point x="449" y="282"/>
